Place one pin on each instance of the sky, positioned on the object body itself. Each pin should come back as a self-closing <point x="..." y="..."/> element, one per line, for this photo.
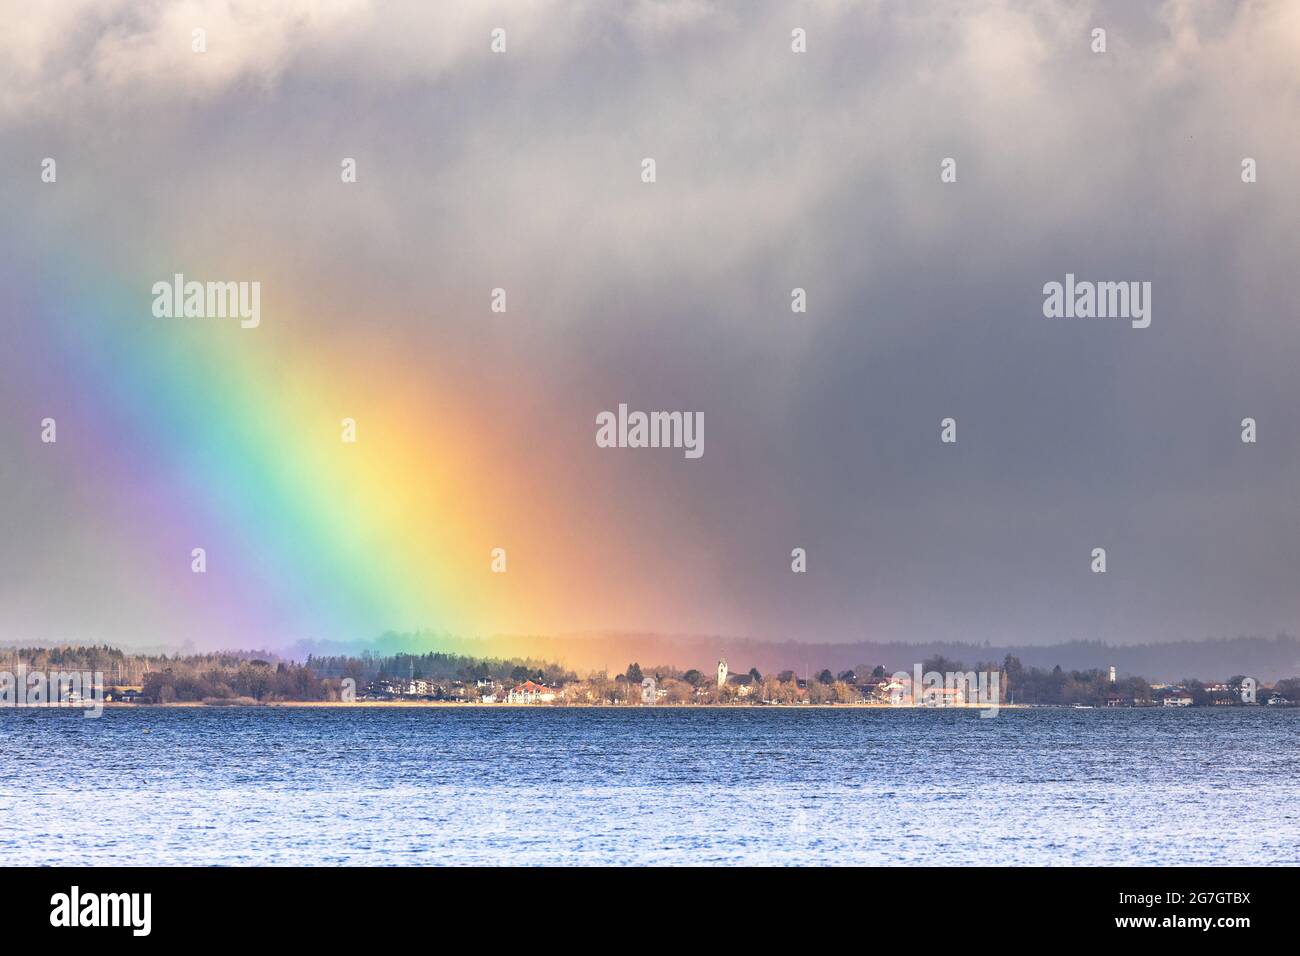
<point x="522" y="170"/>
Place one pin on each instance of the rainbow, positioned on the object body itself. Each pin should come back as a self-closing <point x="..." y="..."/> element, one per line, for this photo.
<point x="197" y="433"/>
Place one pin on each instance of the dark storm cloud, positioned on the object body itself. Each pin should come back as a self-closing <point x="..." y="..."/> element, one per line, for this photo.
<point x="819" y="171"/>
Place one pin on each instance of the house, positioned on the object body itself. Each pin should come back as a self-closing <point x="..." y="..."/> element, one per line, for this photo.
<point x="416" y="687"/>
<point x="871" y="687"/>
<point x="530" y="693"/>
<point x="1114" y="700"/>
<point x="1277" y="700"/>
<point x="897" y="692"/>
<point x="743" y="683"/>
<point x="1178" y="700"/>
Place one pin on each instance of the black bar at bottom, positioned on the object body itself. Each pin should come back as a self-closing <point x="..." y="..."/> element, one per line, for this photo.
<point x="380" y="907"/>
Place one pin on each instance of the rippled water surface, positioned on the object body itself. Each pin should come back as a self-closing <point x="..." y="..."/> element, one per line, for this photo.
<point x="547" y="786"/>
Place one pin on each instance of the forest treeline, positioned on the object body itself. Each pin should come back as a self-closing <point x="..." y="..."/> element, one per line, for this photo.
<point x="262" y="676"/>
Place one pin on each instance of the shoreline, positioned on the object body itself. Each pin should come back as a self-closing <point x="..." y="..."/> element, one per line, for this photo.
<point x="463" y="705"/>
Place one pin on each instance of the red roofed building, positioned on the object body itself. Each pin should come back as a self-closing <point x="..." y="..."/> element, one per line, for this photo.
<point x="530" y="693"/>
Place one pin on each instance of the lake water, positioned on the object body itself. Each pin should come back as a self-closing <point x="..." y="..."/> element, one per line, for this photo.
<point x="627" y="786"/>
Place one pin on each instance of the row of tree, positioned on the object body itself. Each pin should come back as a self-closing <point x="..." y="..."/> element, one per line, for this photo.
<point x="250" y="675"/>
<point x="439" y="667"/>
<point x="1017" y="684"/>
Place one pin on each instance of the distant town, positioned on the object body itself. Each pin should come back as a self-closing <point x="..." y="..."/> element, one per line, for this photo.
<point x="260" y="678"/>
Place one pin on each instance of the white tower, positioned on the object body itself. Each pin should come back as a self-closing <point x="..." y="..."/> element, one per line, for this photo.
<point x="722" y="672"/>
<point x="1112" y="673"/>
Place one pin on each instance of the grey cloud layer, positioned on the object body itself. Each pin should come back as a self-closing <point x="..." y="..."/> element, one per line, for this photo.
<point x="777" y="171"/>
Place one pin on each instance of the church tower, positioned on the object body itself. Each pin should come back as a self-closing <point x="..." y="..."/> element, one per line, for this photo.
<point x="722" y="672"/>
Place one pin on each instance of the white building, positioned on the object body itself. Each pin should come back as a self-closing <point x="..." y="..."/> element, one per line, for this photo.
<point x="649" y="693"/>
<point x="722" y="673"/>
<point x="896" y="691"/>
<point x="530" y="693"/>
